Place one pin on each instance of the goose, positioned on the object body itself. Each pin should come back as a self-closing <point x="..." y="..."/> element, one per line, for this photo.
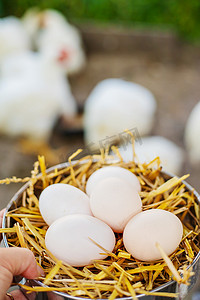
<point x="20" y="64"/>
<point x="147" y="148"/>
<point x="34" y="93"/>
<point x="52" y="34"/>
<point x="191" y="135"/>
<point x="115" y="105"/>
<point x="13" y="37"/>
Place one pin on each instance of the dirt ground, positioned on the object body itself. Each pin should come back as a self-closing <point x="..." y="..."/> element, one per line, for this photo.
<point x="163" y="64"/>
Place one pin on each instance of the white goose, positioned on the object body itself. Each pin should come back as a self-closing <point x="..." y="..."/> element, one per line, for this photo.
<point x="13" y="37"/>
<point x="192" y="134"/>
<point x="52" y="34"/>
<point x="34" y="93"/>
<point x="115" y="105"/>
<point x="147" y="148"/>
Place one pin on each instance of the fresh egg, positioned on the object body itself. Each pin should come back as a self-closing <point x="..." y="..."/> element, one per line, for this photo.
<point x="112" y="171"/>
<point x="70" y="239"/>
<point x="115" y="201"/>
<point x="58" y="200"/>
<point x="149" y="227"/>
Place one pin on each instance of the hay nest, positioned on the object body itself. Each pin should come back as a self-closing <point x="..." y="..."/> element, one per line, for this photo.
<point x="120" y="275"/>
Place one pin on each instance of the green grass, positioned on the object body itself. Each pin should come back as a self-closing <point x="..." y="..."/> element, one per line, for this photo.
<point x="183" y="16"/>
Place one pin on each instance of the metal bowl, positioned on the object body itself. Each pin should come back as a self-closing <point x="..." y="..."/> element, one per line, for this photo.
<point x="170" y="287"/>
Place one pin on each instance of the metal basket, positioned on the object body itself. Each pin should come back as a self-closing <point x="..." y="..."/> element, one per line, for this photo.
<point x="170" y="287"/>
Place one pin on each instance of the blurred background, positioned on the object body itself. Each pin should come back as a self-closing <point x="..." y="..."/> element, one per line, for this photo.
<point x="75" y="74"/>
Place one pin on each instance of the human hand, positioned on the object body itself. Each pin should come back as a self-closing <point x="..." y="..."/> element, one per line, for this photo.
<point x="18" y="261"/>
<point x="13" y="262"/>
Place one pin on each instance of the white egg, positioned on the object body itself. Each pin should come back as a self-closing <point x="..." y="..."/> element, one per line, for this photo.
<point x="69" y="239"/>
<point x="149" y="227"/>
<point x="59" y="200"/>
<point x="115" y="201"/>
<point x="112" y="171"/>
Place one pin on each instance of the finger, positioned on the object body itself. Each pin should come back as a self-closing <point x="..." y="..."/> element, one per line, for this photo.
<point x="16" y="261"/>
<point x="18" y="295"/>
<point x="53" y="296"/>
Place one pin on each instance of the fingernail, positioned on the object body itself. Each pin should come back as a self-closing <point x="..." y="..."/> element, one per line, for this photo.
<point x="40" y="271"/>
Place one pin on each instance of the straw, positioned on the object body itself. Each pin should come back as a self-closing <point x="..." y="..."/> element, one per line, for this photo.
<point x="120" y="274"/>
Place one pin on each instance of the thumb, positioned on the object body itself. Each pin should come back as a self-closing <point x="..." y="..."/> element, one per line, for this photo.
<point x="16" y="261"/>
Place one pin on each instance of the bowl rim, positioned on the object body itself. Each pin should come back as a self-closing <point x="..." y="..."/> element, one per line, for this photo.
<point x="67" y="164"/>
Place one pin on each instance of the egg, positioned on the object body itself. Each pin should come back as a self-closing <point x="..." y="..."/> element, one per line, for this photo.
<point x="115" y="201"/>
<point x="69" y="239"/>
<point x="112" y="171"/>
<point x="149" y="227"/>
<point x="58" y="200"/>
